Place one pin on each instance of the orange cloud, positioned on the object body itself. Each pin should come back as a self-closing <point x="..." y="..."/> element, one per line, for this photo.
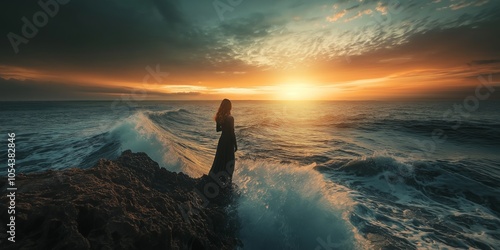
<point x="381" y="8"/>
<point x="336" y="16"/>
<point x="360" y="14"/>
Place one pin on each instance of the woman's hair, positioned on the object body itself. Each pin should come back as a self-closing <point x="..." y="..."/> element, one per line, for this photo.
<point x="224" y="111"/>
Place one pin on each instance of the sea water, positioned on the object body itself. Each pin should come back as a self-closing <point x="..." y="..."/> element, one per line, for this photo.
<point x="311" y="175"/>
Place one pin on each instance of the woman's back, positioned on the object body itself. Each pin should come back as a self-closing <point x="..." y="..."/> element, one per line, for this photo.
<point x="227" y="125"/>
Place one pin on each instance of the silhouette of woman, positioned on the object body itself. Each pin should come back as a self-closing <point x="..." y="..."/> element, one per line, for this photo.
<point x="223" y="165"/>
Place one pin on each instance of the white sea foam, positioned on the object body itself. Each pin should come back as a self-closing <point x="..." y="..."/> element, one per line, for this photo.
<point x="285" y="206"/>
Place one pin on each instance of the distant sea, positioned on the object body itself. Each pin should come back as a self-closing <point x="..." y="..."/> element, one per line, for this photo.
<point x="312" y="175"/>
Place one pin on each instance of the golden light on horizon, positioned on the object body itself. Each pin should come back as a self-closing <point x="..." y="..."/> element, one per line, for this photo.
<point x="295" y="91"/>
<point x="350" y="85"/>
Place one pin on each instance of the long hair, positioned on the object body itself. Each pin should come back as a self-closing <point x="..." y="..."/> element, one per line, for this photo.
<point x="224" y="111"/>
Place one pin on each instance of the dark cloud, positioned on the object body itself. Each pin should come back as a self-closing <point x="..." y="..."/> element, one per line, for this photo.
<point x="12" y="89"/>
<point x="482" y="62"/>
<point x="106" y="37"/>
<point x="169" y="11"/>
<point x="249" y="28"/>
<point x="111" y="37"/>
<point x="353" y="7"/>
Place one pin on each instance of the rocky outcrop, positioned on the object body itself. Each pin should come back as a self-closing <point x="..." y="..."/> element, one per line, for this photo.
<point x="128" y="203"/>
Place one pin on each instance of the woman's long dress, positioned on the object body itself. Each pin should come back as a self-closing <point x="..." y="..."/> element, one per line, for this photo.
<point x="223" y="165"/>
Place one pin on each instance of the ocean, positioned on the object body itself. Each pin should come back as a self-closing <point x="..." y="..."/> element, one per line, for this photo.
<point x="311" y="174"/>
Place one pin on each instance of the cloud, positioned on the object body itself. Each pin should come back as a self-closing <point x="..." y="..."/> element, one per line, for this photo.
<point x="463" y="4"/>
<point x="381" y="8"/>
<point x="460" y="5"/>
<point x="12" y="89"/>
<point x="107" y="37"/>
<point x="169" y="11"/>
<point x="305" y="42"/>
<point x="483" y="62"/>
<point x="352" y="7"/>
<point x="481" y="2"/>
<point x="336" y="16"/>
<point x="428" y="59"/>
<point x="120" y="38"/>
<point x="360" y="14"/>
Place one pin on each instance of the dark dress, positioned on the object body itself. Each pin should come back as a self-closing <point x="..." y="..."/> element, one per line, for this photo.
<point x="224" y="157"/>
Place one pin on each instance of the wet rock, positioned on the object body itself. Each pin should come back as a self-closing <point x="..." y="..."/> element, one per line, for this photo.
<point x="128" y="203"/>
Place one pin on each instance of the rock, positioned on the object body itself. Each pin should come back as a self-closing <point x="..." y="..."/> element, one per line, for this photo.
<point x="128" y="203"/>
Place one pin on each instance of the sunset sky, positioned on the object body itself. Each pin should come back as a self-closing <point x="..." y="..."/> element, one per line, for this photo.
<point x="248" y="49"/>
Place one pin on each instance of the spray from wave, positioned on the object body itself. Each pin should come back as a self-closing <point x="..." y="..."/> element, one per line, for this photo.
<point x="141" y="133"/>
<point x="291" y="207"/>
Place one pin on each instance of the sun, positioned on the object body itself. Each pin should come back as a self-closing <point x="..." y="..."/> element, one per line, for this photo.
<point x="295" y="91"/>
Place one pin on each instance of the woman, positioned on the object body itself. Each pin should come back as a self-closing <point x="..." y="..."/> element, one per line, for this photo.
<point x="223" y="165"/>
